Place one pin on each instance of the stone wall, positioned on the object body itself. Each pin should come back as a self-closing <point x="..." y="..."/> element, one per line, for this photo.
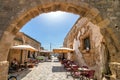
<point x="34" y="43"/>
<point x="27" y="40"/>
<point x="115" y="69"/>
<point x="95" y="58"/>
<point x="3" y="70"/>
<point x="14" y="53"/>
<point x="19" y="54"/>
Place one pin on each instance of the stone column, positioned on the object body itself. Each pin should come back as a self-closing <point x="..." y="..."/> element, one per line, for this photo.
<point x="5" y="43"/>
<point x="3" y="70"/>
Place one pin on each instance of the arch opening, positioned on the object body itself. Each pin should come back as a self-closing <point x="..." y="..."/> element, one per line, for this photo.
<point x="26" y="13"/>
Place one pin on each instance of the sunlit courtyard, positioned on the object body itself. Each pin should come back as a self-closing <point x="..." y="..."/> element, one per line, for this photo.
<point x="60" y="39"/>
<point x="50" y="70"/>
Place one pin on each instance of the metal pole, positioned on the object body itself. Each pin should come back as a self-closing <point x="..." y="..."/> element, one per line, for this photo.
<point x="50" y="46"/>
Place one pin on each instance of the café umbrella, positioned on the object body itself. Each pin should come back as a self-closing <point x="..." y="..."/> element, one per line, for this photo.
<point x="45" y="51"/>
<point x="24" y="47"/>
<point x="62" y="50"/>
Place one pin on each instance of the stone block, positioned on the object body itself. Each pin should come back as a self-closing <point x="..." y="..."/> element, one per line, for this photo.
<point x="104" y="23"/>
<point x="115" y="70"/>
<point x="3" y="70"/>
<point x="118" y="13"/>
<point x="110" y="9"/>
<point x="113" y="18"/>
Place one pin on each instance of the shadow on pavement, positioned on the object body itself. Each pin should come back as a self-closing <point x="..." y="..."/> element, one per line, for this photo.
<point x="56" y="61"/>
<point x="22" y="74"/>
<point x="58" y="69"/>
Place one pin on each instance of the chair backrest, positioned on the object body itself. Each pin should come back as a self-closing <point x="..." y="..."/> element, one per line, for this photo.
<point x="75" y="68"/>
<point x="84" y="67"/>
<point x="68" y="62"/>
<point x="91" y="73"/>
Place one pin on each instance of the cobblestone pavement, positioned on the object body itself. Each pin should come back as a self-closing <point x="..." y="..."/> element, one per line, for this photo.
<point x="46" y="71"/>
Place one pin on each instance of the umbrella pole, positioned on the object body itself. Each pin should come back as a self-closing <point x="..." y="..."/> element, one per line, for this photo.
<point x="63" y="56"/>
<point x="21" y="54"/>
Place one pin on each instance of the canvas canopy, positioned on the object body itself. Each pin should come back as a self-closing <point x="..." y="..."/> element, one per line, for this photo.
<point x="45" y="51"/>
<point x="24" y="47"/>
<point x="62" y="50"/>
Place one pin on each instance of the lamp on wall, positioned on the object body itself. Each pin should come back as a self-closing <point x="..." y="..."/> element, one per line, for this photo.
<point x="87" y="43"/>
<point x="87" y="48"/>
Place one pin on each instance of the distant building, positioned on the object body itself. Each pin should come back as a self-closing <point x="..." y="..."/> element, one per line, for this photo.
<point x="41" y="48"/>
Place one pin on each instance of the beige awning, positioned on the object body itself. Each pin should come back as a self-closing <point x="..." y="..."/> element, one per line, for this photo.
<point x="24" y="47"/>
<point x="62" y="50"/>
<point x="45" y="51"/>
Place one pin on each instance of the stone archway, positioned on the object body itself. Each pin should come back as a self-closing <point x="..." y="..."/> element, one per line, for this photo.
<point x="14" y="14"/>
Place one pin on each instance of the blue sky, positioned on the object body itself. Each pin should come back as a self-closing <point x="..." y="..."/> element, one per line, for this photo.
<point x="50" y="28"/>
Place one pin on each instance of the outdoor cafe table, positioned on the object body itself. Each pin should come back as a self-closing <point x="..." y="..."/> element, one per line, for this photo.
<point x="73" y="65"/>
<point x="83" y="71"/>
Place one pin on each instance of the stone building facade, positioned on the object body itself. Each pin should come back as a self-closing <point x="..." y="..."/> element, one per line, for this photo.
<point x="90" y="47"/>
<point x="104" y="13"/>
<point x="22" y="55"/>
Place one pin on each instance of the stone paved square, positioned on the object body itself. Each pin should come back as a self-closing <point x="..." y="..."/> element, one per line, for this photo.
<point x="46" y="71"/>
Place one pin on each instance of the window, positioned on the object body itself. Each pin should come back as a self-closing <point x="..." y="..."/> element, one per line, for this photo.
<point x="87" y="43"/>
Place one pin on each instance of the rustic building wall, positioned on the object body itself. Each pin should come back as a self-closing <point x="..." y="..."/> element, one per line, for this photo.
<point x="14" y="53"/>
<point x="19" y="54"/>
<point x="97" y="57"/>
<point x="31" y="41"/>
<point x="83" y="57"/>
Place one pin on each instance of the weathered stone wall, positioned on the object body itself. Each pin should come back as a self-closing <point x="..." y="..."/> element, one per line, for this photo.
<point x="15" y="13"/>
<point x="14" y="53"/>
<point x="27" y="40"/>
<point x="115" y="68"/>
<point x="99" y="57"/>
<point x="3" y="70"/>
<point x="94" y="58"/>
<point x="30" y="41"/>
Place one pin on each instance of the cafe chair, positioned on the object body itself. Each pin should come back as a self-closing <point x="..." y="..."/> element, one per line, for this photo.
<point x="90" y="74"/>
<point x="84" y="67"/>
<point x="76" y="74"/>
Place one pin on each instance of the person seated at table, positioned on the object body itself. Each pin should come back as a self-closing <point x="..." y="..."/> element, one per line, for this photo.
<point x="14" y="64"/>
